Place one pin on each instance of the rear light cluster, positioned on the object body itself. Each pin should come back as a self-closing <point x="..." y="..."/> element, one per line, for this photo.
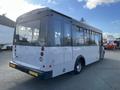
<point x="42" y="53"/>
<point x="41" y="57"/>
<point x="15" y="50"/>
<point x="42" y="48"/>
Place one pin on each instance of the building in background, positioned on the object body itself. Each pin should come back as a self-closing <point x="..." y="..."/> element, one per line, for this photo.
<point x="6" y="32"/>
<point x="108" y="38"/>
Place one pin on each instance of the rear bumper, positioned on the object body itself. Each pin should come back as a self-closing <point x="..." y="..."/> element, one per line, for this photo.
<point x="31" y="71"/>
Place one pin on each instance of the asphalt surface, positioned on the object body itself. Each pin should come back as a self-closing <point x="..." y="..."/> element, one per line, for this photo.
<point x="102" y="75"/>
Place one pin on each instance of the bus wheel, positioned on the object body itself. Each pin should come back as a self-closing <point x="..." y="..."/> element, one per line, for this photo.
<point x="78" y="67"/>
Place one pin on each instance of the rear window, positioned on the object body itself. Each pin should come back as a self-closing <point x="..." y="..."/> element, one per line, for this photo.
<point x="28" y="33"/>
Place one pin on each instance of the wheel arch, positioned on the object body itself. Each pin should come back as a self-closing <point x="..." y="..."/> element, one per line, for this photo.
<point x="81" y="59"/>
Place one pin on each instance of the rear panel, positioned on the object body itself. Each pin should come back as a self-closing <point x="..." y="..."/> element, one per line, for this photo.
<point x="27" y="56"/>
<point x="27" y="48"/>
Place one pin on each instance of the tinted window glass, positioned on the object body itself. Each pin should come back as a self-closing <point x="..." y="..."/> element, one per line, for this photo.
<point x="100" y="39"/>
<point x="28" y="33"/>
<point x="97" y="38"/>
<point x="92" y="38"/>
<point x="78" y="38"/>
<point x="43" y="32"/>
<point x="87" y="37"/>
<point x="50" y="37"/>
<point x="67" y="34"/>
<point x="81" y="36"/>
<point x="57" y="32"/>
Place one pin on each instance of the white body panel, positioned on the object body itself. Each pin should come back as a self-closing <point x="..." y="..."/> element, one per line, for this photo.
<point x="28" y="56"/>
<point x="62" y="59"/>
<point x="90" y="53"/>
<point x="6" y="35"/>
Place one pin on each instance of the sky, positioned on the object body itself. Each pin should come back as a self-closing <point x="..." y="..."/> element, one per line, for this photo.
<point x="103" y="14"/>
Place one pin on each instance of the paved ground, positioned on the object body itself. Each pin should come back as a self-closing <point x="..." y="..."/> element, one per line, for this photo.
<point x="103" y="75"/>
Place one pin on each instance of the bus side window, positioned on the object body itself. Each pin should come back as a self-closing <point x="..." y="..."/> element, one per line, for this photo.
<point x="67" y="34"/>
<point x="78" y="36"/>
<point x="97" y="39"/>
<point x="43" y="32"/>
<point x="57" y="32"/>
<point x="92" y="38"/>
<point x="82" y="36"/>
<point x="87" y="37"/>
<point x="75" y="36"/>
<point x="100" y="39"/>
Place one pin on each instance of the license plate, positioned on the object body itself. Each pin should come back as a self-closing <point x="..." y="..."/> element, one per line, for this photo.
<point x="12" y="65"/>
<point x="33" y="73"/>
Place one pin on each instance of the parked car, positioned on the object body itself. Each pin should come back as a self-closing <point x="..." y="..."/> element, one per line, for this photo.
<point x="110" y="45"/>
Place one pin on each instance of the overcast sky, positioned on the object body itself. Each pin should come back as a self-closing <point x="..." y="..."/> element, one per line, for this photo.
<point x="103" y="14"/>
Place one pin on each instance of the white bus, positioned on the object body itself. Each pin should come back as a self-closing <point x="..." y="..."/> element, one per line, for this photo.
<point x="48" y="44"/>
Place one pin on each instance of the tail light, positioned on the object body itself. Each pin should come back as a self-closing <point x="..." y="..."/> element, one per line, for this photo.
<point x="42" y="51"/>
<point x="42" y="48"/>
<point x="15" y="51"/>
<point x="15" y="48"/>
<point x="42" y="54"/>
<point x="41" y="59"/>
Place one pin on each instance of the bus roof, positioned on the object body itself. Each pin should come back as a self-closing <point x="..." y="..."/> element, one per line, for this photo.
<point x="46" y="9"/>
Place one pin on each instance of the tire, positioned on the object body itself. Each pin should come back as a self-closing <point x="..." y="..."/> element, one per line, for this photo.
<point x="78" y="67"/>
